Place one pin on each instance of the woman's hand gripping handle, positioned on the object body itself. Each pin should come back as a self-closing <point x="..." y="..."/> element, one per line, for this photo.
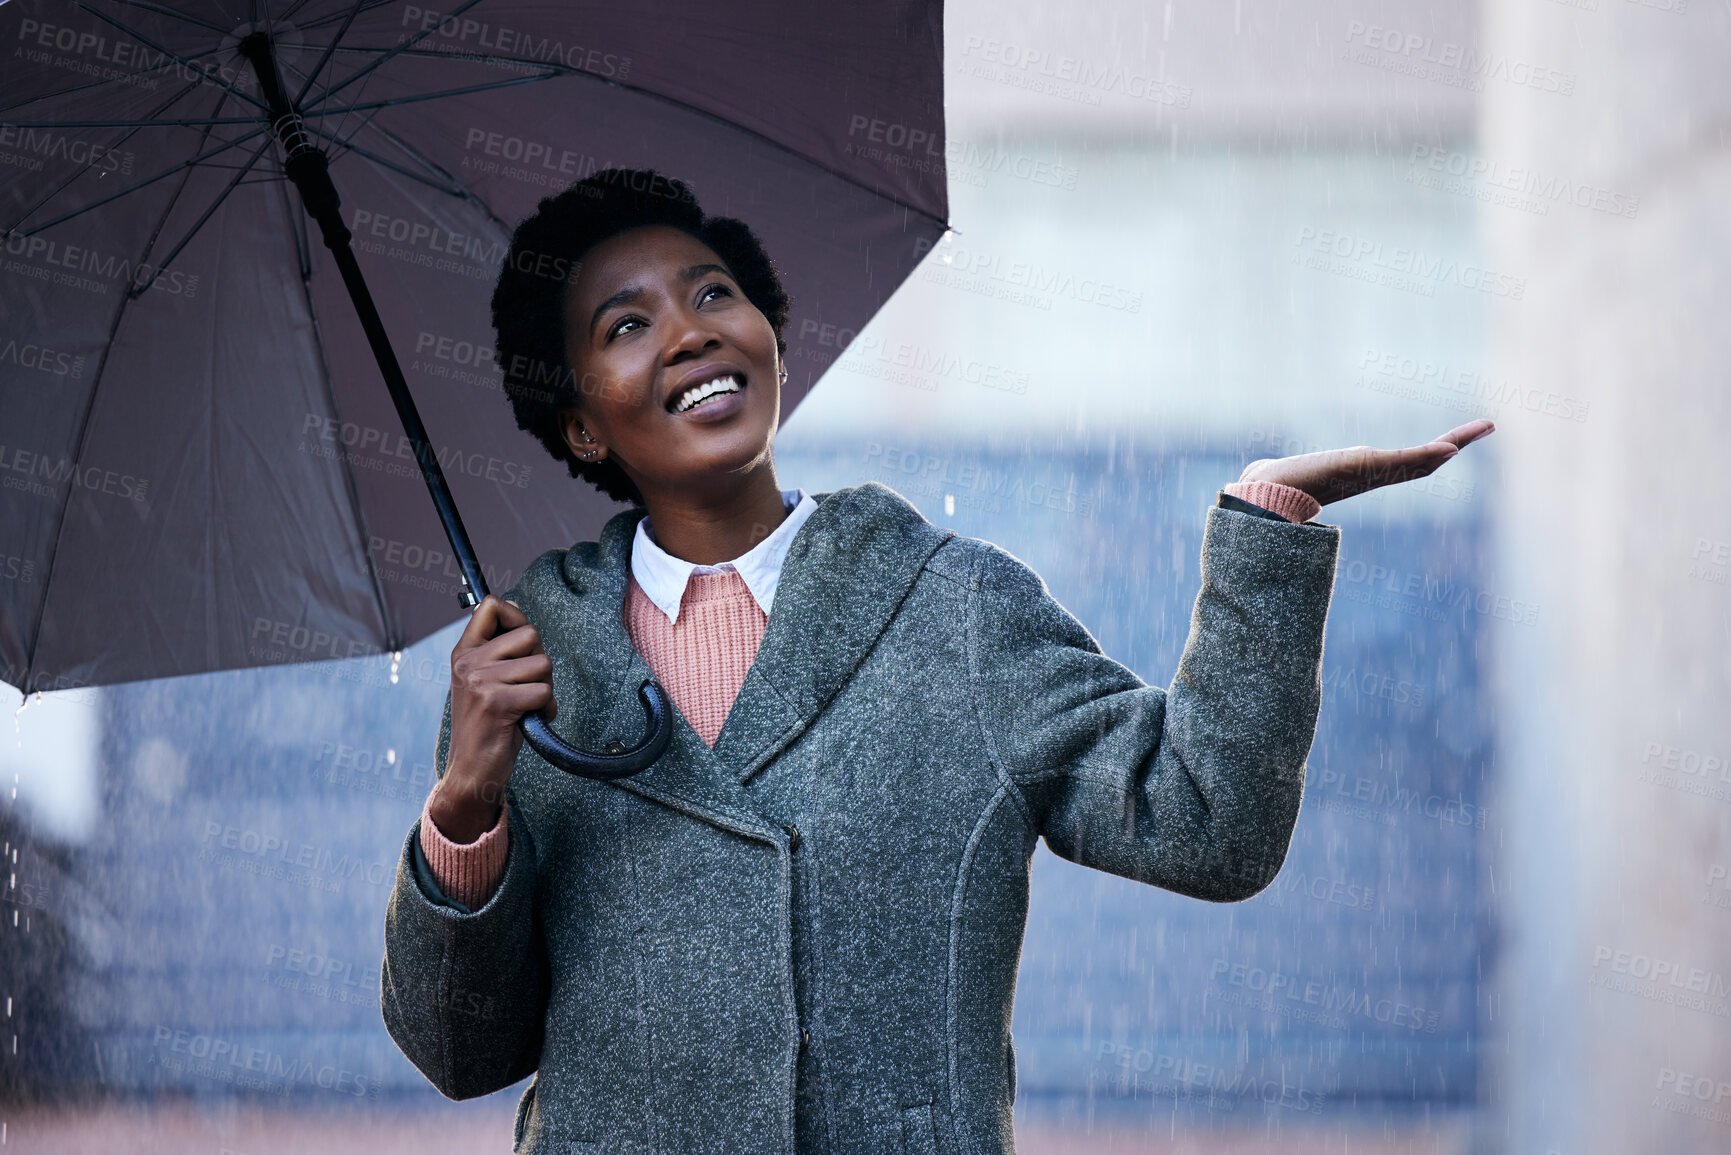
<point x="499" y="673"/>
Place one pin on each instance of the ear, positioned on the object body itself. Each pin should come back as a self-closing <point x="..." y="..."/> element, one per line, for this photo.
<point x="579" y="440"/>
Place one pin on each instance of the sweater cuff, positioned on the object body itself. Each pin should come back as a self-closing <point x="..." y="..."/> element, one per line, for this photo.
<point x="468" y="872"/>
<point x="1289" y="502"/>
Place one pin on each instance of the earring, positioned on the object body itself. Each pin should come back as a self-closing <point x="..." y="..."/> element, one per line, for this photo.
<point x="783" y="375"/>
<point x="588" y="454"/>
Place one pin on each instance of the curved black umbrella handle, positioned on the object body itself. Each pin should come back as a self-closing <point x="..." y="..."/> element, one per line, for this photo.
<point x="617" y="762"/>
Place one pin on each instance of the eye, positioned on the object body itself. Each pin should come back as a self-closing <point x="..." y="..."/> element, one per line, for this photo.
<point x="618" y="327"/>
<point x="718" y="289"/>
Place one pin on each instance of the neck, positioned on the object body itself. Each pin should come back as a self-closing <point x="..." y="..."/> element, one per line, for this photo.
<point x="717" y="524"/>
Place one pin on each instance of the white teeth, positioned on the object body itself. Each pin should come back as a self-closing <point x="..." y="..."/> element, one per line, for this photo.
<point x="697" y="394"/>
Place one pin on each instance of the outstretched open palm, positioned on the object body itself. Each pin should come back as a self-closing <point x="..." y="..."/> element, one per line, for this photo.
<point x="1336" y="474"/>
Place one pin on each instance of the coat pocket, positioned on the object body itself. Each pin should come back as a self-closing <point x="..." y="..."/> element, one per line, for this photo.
<point x="918" y="1135"/>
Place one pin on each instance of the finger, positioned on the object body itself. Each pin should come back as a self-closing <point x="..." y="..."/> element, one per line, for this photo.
<point x="517" y="643"/>
<point x="483" y="623"/>
<point x="491" y="618"/>
<point x="526" y="698"/>
<point x="1392" y="466"/>
<point x="1462" y="436"/>
<point x="520" y="671"/>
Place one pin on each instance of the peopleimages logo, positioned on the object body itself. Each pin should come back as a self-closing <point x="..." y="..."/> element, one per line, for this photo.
<point x="1021" y="282"/>
<point x="226" y="1060"/>
<point x="1653" y="971"/>
<point x="459" y="34"/>
<point x="1364" y="258"/>
<point x="1067" y="77"/>
<point x="1324" y="1004"/>
<point x="1142" y="1070"/>
<point x="77" y="265"/>
<point x="27" y="147"/>
<point x="381" y="450"/>
<point x="28" y="355"/>
<point x="519" y="158"/>
<point x="1374" y="584"/>
<point x="95" y="51"/>
<point x="1431" y="167"/>
<point x="1461" y="66"/>
<point x="1415" y="377"/>
<point x="45" y="475"/>
<point x="1690" y="1095"/>
<point x="874" y="356"/>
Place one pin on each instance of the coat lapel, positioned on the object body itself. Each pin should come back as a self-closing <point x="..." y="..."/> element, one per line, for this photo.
<point x="846" y="573"/>
<point x="609" y="670"/>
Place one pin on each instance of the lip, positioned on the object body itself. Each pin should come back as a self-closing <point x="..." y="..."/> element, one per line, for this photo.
<point x="699" y="375"/>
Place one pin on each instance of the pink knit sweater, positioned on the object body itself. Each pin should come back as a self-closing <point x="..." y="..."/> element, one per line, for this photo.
<point x="701" y="662"/>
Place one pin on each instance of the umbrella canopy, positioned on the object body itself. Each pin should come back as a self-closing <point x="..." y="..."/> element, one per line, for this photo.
<point x="199" y="466"/>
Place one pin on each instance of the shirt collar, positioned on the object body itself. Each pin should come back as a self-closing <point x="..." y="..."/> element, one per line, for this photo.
<point x="664" y="577"/>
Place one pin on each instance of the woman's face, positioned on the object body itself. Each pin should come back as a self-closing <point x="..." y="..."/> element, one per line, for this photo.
<point x="651" y="314"/>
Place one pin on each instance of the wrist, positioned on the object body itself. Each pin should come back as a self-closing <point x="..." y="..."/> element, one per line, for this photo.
<point x="462" y="811"/>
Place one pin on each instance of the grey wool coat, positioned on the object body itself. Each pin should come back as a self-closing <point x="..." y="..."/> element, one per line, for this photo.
<point x="806" y="939"/>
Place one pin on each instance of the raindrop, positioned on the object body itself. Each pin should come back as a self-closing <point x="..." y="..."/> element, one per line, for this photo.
<point x="18" y="721"/>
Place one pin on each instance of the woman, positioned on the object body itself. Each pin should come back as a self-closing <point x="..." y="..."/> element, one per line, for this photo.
<point x="799" y="930"/>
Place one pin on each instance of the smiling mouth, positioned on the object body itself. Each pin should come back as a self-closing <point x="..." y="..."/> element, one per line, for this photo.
<point x="706" y="391"/>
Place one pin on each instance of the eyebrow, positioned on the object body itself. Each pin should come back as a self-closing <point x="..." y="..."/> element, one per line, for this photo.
<point x="631" y="296"/>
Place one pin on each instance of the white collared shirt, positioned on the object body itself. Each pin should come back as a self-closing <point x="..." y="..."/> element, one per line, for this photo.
<point x="664" y="577"/>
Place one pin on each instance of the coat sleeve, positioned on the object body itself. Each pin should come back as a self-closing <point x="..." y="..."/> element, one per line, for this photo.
<point x="1194" y="788"/>
<point x="464" y="994"/>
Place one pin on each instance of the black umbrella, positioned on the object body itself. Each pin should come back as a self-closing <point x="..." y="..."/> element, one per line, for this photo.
<point x="196" y="469"/>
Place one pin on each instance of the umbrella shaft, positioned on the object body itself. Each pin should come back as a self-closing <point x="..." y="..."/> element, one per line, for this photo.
<point x="309" y="169"/>
<point x="434" y="476"/>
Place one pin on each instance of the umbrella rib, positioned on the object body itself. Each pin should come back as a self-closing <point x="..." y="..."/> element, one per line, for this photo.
<point x="556" y="70"/>
<point x="350" y="146"/>
<point x="162" y="266"/>
<point x="393" y="635"/>
<point x="486" y="58"/>
<point x="366" y="6"/>
<point x="390" y="55"/>
<point x="326" y="56"/>
<point x="76" y="89"/>
<point x="463" y="190"/>
<point x="179" y="122"/>
<point x="161" y="11"/>
<point x="455" y="187"/>
<point x="96" y="383"/>
<point x="183" y="166"/>
<point x="67" y="183"/>
<point x="178" y="58"/>
<point x="394" y="101"/>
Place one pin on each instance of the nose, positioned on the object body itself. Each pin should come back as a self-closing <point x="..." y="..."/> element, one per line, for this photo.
<point x="691" y="334"/>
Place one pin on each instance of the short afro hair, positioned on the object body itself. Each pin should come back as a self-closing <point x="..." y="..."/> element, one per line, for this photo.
<point x="545" y="254"/>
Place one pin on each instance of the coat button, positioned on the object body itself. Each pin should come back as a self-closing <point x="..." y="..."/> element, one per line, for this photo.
<point x="793" y="839"/>
<point x="804" y="1038"/>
